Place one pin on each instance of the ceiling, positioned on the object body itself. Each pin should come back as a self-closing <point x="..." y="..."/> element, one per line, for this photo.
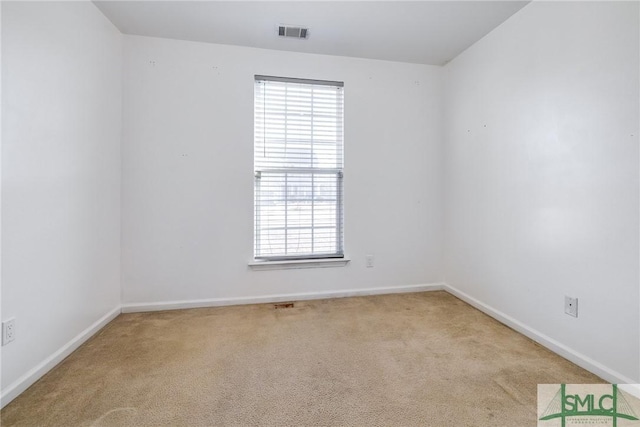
<point x="423" y="32"/>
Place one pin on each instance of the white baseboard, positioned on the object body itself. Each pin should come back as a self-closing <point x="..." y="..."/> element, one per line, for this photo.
<point x="548" y="342"/>
<point x="216" y="302"/>
<point x="20" y="385"/>
<point x="24" y="382"/>
<point x="33" y="375"/>
<point x="632" y="389"/>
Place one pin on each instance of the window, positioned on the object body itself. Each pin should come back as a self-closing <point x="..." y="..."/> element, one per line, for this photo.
<point x="298" y="162"/>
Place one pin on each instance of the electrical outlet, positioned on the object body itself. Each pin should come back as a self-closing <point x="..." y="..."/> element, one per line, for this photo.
<point x="8" y="331"/>
<point x="369" y="259"/>
<point x="571" y="306"/>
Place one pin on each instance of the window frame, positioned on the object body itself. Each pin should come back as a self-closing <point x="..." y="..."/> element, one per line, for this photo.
<point x="310" y="259"/>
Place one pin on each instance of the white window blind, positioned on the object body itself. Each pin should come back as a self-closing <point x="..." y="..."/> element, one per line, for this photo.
<point x="298" y="162"/>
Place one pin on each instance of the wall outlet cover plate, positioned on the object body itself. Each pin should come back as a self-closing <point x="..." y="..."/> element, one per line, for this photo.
<point x="571" y="306"/>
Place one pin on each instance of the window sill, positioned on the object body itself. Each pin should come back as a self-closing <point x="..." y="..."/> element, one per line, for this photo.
<point x="298" y="263"/>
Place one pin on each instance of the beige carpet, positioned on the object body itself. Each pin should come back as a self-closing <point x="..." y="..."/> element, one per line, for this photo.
<point x="425" y="359"/>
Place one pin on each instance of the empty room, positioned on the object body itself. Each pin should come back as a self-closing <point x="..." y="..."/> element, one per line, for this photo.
<point x="318" y="213"/>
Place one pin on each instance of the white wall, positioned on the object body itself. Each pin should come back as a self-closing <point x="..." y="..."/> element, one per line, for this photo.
<point x="61" y="107"/>
<point x="541" y="181"/>
<point x="187" y="221"/>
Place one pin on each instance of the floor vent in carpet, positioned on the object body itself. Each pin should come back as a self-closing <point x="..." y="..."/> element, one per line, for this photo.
<point x="283" y="305"/>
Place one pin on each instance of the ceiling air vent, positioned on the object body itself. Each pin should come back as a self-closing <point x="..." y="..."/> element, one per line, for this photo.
<point x="292" y="31"/>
